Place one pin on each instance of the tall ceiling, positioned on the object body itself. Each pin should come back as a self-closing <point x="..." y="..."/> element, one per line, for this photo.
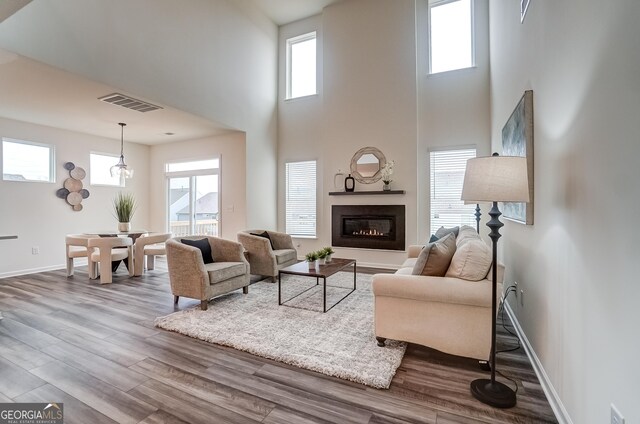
<point x="32" y="91"/>
<point x="286" y="11"/>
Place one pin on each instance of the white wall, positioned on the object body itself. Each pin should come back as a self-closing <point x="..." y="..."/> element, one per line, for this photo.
<point x="33" y="212"/>
<point x="576" y="264"/>
<point x="374" y="91"/>
<point x="215" y="58"/>
<point x="453" y="107"/>
<point x="230" y="148"/>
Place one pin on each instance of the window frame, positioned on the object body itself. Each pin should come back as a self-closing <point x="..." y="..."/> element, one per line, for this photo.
<point x="286" y="200"/>
<point x="470" y="206"/>
<point x="116" y="157"/>
<point x="289" y="42"/>
<point x="436" y="3"/>
<point x="191" y="174"/>
<point x="52" y="159"/>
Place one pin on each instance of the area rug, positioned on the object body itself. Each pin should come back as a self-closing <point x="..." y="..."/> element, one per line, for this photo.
<point x="339" y="343"/>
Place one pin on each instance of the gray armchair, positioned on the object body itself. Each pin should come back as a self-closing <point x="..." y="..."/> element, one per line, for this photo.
<point x="263" y="259"/>
<point x="191" y="277"/>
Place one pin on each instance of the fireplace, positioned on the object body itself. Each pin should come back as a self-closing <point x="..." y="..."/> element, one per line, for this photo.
<point x="368" y="226"/>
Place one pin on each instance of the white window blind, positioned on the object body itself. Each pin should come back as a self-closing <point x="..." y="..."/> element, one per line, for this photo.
<point x="301" y="198"/>
<point x="447" y="176"/>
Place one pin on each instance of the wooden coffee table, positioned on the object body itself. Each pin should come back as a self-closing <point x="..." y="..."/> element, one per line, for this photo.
<point x="322" y="271"/>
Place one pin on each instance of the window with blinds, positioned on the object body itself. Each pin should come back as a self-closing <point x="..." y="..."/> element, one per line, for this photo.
<point x="301" y="198"/>
<point x="447" y="176"/>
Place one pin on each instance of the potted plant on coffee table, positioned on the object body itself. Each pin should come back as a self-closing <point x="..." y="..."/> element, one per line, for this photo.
<point x="311" y="257"/>
<point x="124" y="206"/>
<point x="322" y="256"/>
<point x="329" y="251"/>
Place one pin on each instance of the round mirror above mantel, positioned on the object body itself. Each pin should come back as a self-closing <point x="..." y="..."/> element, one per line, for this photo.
<point x="367" y="164"/>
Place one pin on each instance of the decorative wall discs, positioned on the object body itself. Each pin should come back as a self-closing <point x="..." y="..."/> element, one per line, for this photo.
<point x="77" y="173"/>
<point x="73" y="192"/>
<point x="74" y="198"/>
<point x="62" y="193"/>
<point x="72" y="184"/>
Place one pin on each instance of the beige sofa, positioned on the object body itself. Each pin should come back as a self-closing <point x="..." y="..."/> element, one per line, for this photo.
<point x="191" y="277"/>
<point x="264" y="260"/>
<point x="449" y="314"/>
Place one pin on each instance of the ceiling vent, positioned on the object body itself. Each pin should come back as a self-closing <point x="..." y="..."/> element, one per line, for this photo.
<point x="129" y="102"/>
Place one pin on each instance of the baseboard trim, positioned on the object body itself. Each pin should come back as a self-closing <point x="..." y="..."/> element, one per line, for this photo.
<point x="79" y="262"/>
<point x="377" y="265"/>
<point x="550" y="392"/>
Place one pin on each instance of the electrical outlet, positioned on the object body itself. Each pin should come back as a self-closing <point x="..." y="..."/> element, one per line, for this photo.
<point x="35" y="250"/>
<point x="616" y="416"/>
<point x="522" y="297"/>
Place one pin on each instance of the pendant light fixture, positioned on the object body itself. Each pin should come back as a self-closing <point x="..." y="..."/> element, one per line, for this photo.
<point x="120" y="169"/>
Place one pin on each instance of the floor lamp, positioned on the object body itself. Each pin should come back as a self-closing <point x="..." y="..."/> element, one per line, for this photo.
<point x="495" y="179"/>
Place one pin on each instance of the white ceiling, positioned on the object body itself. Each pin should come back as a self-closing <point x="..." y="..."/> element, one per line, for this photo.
<point x="32" y="91"/>
<point x="285" y="11"/>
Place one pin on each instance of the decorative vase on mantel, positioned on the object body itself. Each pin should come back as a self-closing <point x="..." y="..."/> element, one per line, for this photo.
<point x="386" y="186"/>
<point x="124" y="227"/>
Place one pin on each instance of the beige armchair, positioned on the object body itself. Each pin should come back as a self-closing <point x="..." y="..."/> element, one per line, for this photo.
<point x="191" y="277"/>
<point x="76" y="247"/>
<point x="148" y="247"/>
<point x="263" y="259"/>
<point x="103" y="251"/>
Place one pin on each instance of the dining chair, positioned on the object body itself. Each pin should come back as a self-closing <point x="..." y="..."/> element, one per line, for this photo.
<point x="148" y="247"/>
<point x="76" y="247"/>
<point x="103" y="251"/>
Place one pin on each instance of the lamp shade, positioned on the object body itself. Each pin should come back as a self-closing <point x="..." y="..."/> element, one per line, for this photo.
<point x="496" y="179"/>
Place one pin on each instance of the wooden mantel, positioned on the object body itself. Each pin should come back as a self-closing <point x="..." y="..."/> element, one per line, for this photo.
<point x="363" y="193"/>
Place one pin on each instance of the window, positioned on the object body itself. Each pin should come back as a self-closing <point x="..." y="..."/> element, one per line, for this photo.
<point x="193" y="197"/>
<point x="447" y="176"/>
<point x="451" y="35"/>
<point x="301" y="198"/>
<point x="100" y="169"/>
<point x="195" y="165"/>
<point x="27" y="161"/>
<point x="301" y="66"/>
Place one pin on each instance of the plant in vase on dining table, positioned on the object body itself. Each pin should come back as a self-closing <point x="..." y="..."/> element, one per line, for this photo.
<point x="124" y="206"/>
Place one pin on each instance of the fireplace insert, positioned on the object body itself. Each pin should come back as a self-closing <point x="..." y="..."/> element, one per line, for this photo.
<point x="368" y="226"/>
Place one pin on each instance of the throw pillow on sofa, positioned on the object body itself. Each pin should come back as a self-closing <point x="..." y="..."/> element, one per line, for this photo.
<point x="265" y="235"/>
<point x="444" y="231"/>
<point x="471" y="261"/>
<point x="204" y="246"/>
<point x="435" y="258"/>
<point x="466" y="233"/>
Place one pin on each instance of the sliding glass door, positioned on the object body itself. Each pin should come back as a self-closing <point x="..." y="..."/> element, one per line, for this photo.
<point x="193" y="199"/>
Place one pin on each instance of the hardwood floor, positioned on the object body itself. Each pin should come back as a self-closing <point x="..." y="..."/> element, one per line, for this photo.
<point x="94" y="347"/>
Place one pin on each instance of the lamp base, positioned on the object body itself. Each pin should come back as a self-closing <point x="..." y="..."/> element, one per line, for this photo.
<point x="493" y="393"/>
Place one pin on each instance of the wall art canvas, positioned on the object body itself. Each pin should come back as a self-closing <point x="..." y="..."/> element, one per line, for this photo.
<point x="517" y="140"/>
<point x="524" y="6"/>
